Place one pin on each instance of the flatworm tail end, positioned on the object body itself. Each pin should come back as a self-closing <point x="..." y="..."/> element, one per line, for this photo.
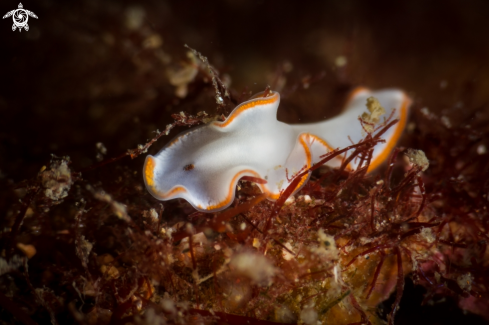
<point x="395" y="135"/>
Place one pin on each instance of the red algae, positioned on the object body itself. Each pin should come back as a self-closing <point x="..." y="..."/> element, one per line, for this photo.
<point x="332" y="254"/>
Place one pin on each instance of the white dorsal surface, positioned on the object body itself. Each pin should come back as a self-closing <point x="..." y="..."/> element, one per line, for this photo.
<point x="204" y="164"/>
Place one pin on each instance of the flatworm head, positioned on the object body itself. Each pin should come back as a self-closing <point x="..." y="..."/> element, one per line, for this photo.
<point x="204" y="165"/>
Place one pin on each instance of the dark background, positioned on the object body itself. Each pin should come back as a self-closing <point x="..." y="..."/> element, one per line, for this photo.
<point x="82" y="74"/>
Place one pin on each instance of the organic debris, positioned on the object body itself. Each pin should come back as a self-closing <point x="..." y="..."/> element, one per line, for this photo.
<point x="375" y="111"/>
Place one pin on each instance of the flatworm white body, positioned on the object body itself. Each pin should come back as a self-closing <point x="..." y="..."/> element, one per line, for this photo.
<point x="204" y="164"/>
